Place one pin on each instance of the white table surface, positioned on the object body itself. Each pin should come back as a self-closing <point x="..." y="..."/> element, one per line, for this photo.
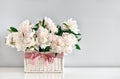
<point x="69" y="73"/>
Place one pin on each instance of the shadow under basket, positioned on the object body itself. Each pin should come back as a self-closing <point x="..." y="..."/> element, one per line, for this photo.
<point x="41" y="66"/>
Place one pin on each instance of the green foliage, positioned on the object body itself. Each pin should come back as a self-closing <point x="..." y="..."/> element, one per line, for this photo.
<point x="66" y="25"/>
<point x="43" y="23"/>
<point x="12" y="29"/>
<point x="79" y="39"/>
<point x="71" y="32"/>
<point x="56" y="54"/>
<point x="12" y="43"/>
<point x="60" y="31"/>
<point x="47" y="49"/>
<point x="36" y="27"/>
<point x="31" y="48"/>
<point x="77" y="46"/>
<point x="50" y="31"/>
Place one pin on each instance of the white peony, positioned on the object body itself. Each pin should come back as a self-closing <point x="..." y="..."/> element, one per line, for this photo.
<point x="67" y="49"/>
<point x="69" y="42"/>
<point x="70" y="24"/>
<point x="42" y="34"/>
<point x="9" y="40"/>
<point x="23" y="38"/>
<point x="21" y="43"/>
<point x="58" y="40"/>
<point x="14" y="39"/>
<point x="63" y="43"/>
<point x="25" y="26"/>
<point x="57" y="44"/>
<point x="26" y="29"/>
<point x="25" y="35"/>
<point x="69" y="39"/>
<point x="50" y="25"/>
<point x="57" y="49"/>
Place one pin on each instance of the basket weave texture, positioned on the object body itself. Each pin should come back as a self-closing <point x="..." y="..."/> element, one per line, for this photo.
<point x="41" y="66"/>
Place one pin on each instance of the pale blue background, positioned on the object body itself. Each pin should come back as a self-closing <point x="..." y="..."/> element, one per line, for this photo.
<point x="98" y="20"/>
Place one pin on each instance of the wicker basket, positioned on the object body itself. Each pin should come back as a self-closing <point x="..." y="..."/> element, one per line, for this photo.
<point x="44" y="76"/>
<point x="40" y="66"/>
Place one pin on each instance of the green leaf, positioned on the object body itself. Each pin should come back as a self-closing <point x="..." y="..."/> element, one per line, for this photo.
<point x="47" y="49"/>
<point x="71" y="32"/>
<point x="65" y="24"/>
<point x="36" y="27"/>
<point x="50" y="31"/>
<point x="79" y="39"/>
<point x="35" y="49"/>
<point x="78" y="34"/>
<point x="77" y="46"/>
<point x="43" y="23"/>
<point x="31" y="48"/>
<point x="60" y="31"/>
<point x="41" y="50"/>
<point x="56" y="54"/>
<point x="35" y="36"/>
<point x="12" y="43"/>
<point x="9" y="30"/>
<point x="12" y="29"/>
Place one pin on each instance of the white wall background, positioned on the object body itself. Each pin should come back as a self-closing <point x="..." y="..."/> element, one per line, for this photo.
<point x="99" y="22"/>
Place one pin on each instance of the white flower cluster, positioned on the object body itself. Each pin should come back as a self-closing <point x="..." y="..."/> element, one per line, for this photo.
<point x="44" y="36"/>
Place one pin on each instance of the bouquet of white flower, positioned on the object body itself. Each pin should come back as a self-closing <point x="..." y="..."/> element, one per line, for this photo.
<point x="45" y="37"/>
